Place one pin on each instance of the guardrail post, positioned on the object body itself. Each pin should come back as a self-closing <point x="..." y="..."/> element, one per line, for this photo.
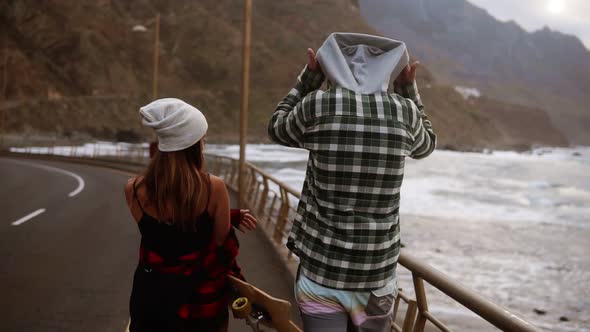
<point x="227" y="170"/>
<point x="221" y="171"/>
<point x="142" y="154"/>
<point x="255" y="190"/>
<point x="137" y="153"/>
<point x="146" y="155"/>
<point x="251" y="185"/>
<point x="247" y="175"/>
<point x="216" y="165"/>
<point x="396" y="307"/>
<point x="421" y="301"/>
<point x="262" y="200"/>
<point x="283" y="214"/>
<point x="410" y="316"/>
<point x="270" y="210"/>
<point x="234" y="173"/>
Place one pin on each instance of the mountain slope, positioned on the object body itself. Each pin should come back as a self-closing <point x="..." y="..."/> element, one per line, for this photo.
<point x="81" y="67"/>
<point x="465" y="45"/>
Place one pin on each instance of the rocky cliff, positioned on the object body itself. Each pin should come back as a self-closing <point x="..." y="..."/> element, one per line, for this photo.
<point x="86" y="67"/>
<point x="463" y="44"/>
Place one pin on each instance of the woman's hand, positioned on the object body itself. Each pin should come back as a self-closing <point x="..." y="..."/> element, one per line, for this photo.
<point x="243" y="220"/>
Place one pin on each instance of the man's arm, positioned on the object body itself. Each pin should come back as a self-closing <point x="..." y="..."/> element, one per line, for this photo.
<point x="287" y="124"/>
<point x="421" y="128"/>
<point x="424" y="136"/>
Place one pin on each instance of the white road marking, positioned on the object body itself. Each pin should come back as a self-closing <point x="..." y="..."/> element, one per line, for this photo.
<point x="78" y="178"/>
<point x="27" y="217"/>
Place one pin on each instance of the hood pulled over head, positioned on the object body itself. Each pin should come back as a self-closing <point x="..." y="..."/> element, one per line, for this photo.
<point x="362" y="63"/>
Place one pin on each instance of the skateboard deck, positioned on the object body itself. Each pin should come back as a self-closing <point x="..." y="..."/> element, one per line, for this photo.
<point x="278" y="309"/>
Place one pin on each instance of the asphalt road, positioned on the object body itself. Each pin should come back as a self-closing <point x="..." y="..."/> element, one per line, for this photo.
<point x="69" y="247"/>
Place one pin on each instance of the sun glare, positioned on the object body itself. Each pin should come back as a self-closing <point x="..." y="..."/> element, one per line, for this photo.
<point x="555" y="6"/>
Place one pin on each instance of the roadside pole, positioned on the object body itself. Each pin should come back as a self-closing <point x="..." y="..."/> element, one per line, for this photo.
<point x="156" y="59"/>
<point x="244" y="108"/>
<point x="4" y="85"/>
<point x="154" y="139"/>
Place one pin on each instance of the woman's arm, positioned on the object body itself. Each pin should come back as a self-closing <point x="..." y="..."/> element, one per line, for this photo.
<point x="133" y="208"/>
<point x="128" y="189"/>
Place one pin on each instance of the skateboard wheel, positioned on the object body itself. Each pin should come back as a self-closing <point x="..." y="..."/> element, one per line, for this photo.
<point x="241" y="307"/>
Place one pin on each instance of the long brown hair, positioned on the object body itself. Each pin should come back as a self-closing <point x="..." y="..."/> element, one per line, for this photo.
<point x="174" y="183"/>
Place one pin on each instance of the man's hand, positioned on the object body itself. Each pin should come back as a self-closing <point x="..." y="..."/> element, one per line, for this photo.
<point x="247" y="221"/>
<point x="312" y="61"/>
<point x="408" y="75"/>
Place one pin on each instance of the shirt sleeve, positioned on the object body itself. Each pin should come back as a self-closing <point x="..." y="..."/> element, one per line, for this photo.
<point x="287" y="125"/>
<point x="234" y="217"/>
<point x="421" y="127"/>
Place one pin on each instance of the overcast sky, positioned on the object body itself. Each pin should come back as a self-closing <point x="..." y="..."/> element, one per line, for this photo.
<point x="567" y="16"/>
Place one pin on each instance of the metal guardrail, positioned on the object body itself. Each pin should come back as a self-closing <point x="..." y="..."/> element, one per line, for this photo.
<point x="133" y="153"/>
<point x="274" y="204"/>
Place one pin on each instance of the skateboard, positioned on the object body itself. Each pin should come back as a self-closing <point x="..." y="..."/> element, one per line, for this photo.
<point x="259" y="308"/>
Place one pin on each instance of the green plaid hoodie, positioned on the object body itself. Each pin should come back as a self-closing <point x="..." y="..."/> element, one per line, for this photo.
<point x="346" y="230"/>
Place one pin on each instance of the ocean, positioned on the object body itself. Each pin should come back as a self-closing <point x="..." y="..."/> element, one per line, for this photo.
<point x="513" y="226"/>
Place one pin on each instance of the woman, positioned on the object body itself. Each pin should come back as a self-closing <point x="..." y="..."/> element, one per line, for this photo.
<point x="187" y="247"/>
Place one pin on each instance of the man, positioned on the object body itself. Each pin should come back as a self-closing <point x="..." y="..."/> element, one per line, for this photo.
<point x="346" y="230"/>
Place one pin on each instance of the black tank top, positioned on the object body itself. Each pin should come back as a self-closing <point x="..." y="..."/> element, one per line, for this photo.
<point x="170" y="241"/>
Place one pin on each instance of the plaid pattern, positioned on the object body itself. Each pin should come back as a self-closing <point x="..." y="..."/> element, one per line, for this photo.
<point x="346" y="230"/>
<point x="211" y="293"/>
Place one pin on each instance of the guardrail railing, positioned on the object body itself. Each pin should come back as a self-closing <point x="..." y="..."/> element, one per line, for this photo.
<point x="138" y="153"/>
<point x="274" y="204"/>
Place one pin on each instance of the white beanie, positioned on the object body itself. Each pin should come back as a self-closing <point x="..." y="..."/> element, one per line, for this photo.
<point x="177" y="124"/>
